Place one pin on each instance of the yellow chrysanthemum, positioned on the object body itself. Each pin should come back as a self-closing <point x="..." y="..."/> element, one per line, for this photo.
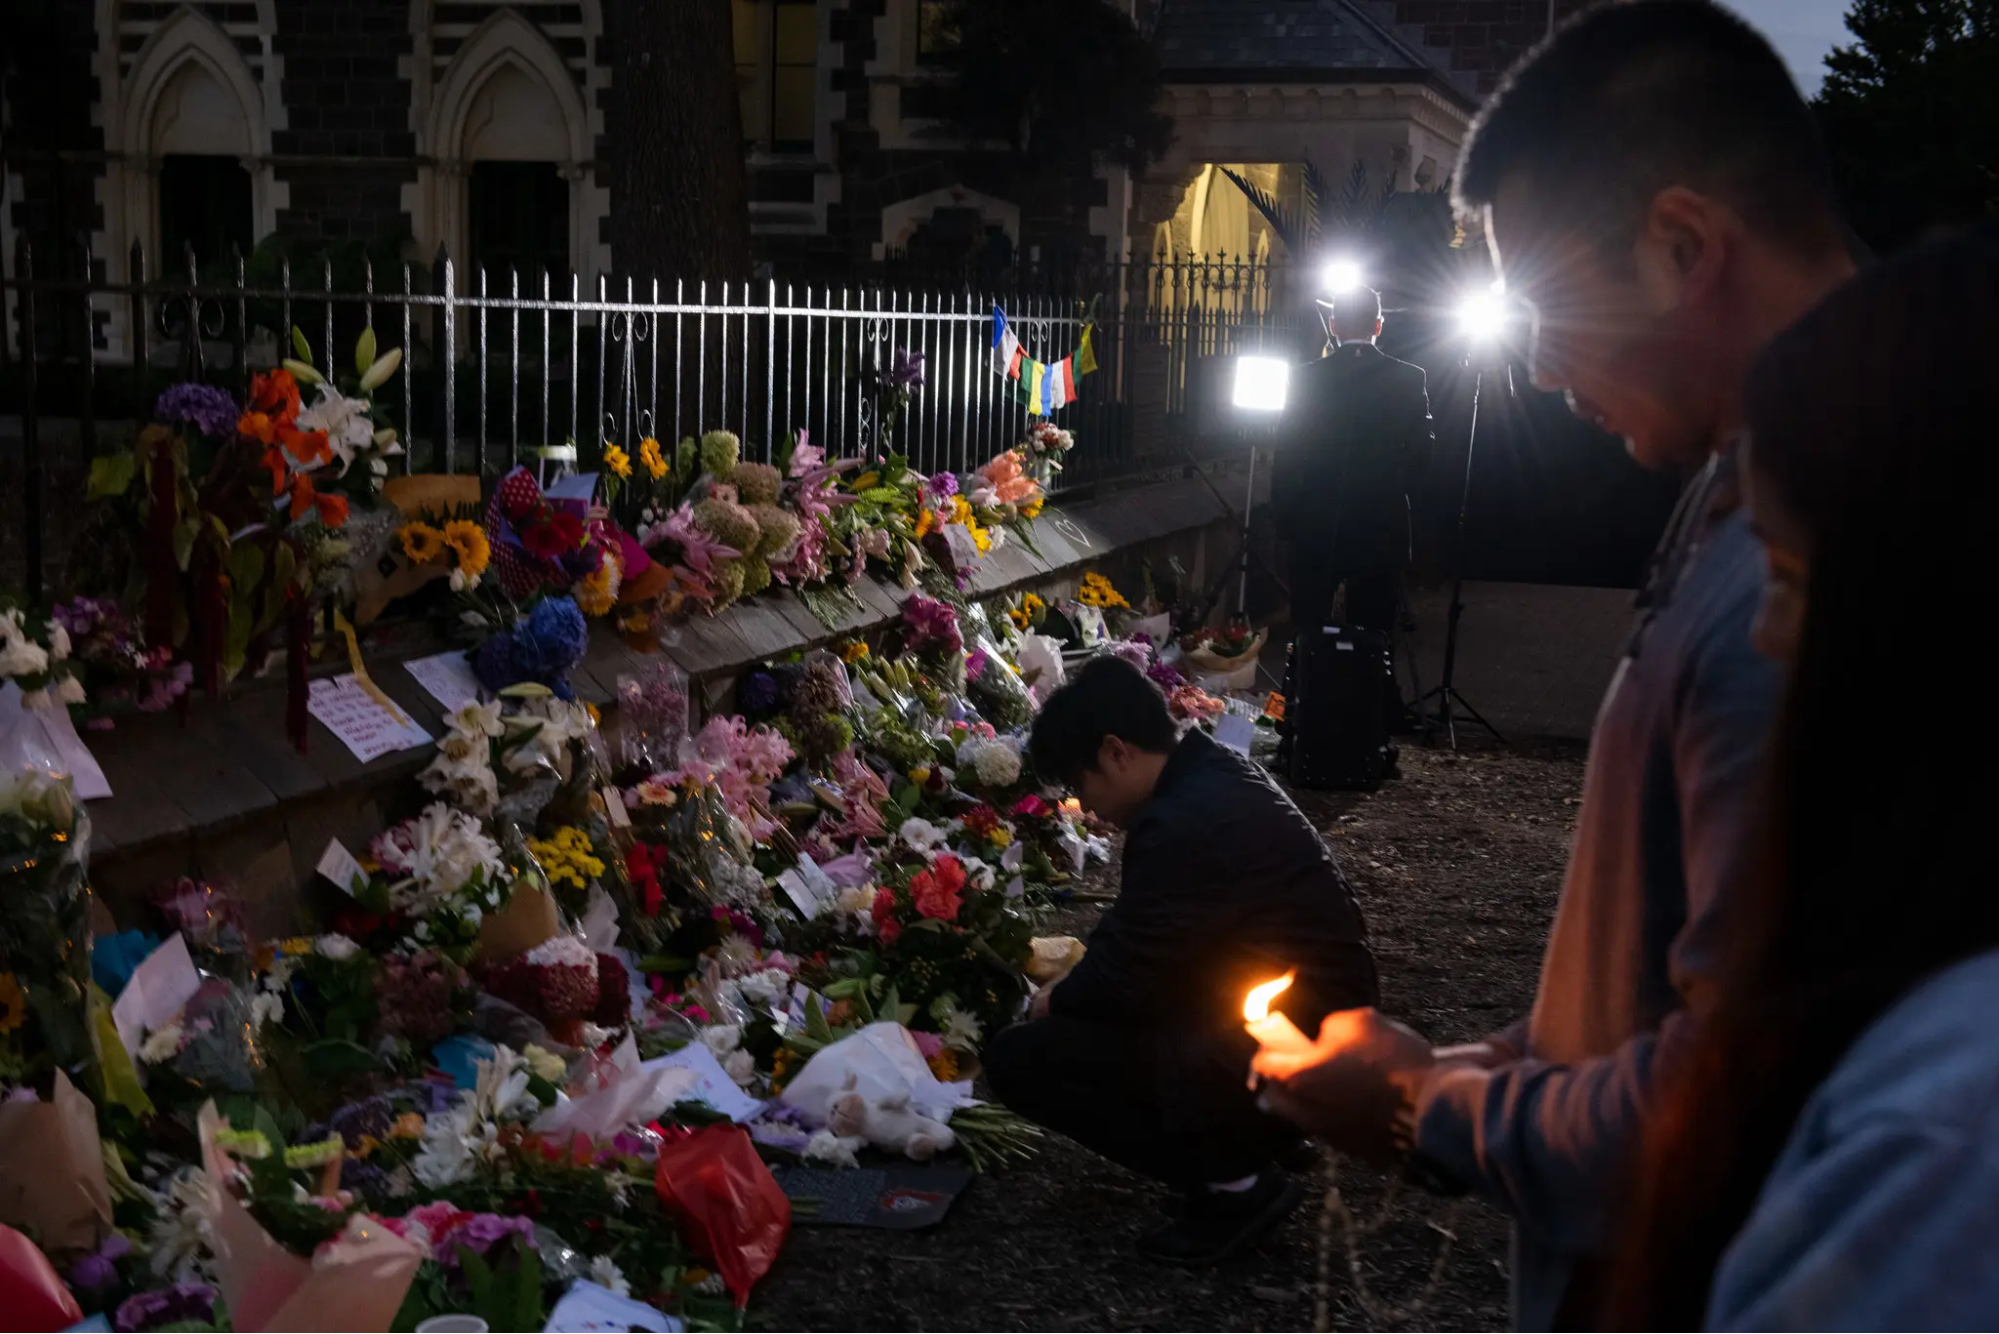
<point x="567" y="857"/>
<point x="13" y="1004"/>
<point x="855" y="651"/>
<point x="617" y="460"/>
<point x="867" y="481"/>
<point x="467" y="541"/>
<point x="944" y="1065"/>
<point x="1032" y="508"/>
<point x="650" y="456"/>
<point x="421" y="543"/>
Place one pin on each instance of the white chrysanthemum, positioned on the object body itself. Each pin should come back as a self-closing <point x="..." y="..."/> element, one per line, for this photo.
<point x="266" y="1008"/>
<point x="605" y="1273"/>
<point x="563" y="951"/>
<point x="722" y="1038"/>
<point x="545" y="1064"/>
<point x="997" y="764"/>
<point x="740" y="1066"/>
<point x="162" y="1044"/>
<point x="764" y="986"/>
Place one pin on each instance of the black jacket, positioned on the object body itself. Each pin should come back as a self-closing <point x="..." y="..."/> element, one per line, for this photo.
<point x="1356" y="439"/>
<point x="1226" y="885"/>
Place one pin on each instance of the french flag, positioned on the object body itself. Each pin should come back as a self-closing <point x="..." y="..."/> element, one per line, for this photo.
<point x="1006" y="346"/>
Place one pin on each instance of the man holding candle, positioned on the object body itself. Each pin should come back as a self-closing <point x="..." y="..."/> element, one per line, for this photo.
<point x="1140" y="1052"/>
<point x="1654" y="189"/>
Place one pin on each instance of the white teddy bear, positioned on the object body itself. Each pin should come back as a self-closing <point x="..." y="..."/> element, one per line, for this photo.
<point x="889" y="1124"/>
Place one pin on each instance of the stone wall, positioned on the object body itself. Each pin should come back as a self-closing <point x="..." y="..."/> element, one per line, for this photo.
<point x="1484" y="37"/>
<point x="349" y="149"/>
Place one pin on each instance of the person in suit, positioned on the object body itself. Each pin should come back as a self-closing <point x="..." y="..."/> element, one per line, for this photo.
<point x="1357" y="438"/>
<point x="1139" y="1053"/>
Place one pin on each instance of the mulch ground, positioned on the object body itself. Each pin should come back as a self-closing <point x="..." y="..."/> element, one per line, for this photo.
<point x="1457" y="865"/>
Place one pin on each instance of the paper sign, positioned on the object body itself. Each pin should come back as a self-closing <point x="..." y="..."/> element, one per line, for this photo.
<point x="160" y="988"/>
<point x="338" y="865"/>
<point x="446" y="678"/>
<point x="1234" y="731"/>
<point x="590" y="1307"/>
<point x="614" y="807"/>
<point x="712" y="1084"/>
<point x="800" y="893"/>
<point x="362" y="725"/>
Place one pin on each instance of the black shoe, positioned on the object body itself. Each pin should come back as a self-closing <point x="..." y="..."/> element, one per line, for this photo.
<point x="1302" y="1158"/>
<point x="1394" y="769"/>
<point x="1215" y="1225"/>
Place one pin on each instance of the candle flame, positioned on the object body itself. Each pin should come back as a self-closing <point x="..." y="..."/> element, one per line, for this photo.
<point x="1257" y="1007"/>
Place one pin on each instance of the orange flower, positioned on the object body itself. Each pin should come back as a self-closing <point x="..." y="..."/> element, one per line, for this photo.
<point x="258" y="426"/>
<point x="274" y="459"/>
<point x="275" y="394"/>
<point x="926" y="521"/>
<point x="304" y="499"/>
<point x="308" y="447"/>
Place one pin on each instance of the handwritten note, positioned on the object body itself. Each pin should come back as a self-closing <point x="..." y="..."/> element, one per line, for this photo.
<point x="447" y="678"/>
<point x="160" y="987"/>
<point x="362" y="725"/>
<point x="1234" y="731"/>
<point x="712" y="1084"/>
<point x="339" y="865"/>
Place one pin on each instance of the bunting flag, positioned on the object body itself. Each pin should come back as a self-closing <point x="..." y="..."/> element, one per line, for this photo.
<point x="1086" y="356"/>
<point x="1006" y="347"/>
<point x="1041" y="387"/>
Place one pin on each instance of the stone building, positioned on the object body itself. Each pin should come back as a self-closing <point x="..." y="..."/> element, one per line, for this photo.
<point x="481" y="126"/>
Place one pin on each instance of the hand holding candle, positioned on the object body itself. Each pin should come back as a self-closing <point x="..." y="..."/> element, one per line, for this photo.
<point x="1274" y="1032"/>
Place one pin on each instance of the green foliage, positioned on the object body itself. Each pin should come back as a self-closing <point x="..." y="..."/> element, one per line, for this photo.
<point x="1911" y="114"/>
<point x="506" y="1295"/>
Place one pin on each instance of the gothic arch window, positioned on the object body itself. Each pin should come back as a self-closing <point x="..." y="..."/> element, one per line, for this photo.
<point x="189" y="133"/>
<point x="508" y="143"/>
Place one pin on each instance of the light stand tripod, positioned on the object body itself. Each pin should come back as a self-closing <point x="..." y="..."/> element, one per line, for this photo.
<point x="1446" y="692"/>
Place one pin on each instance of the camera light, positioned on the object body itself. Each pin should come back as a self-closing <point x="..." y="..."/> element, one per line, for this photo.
<point x="1261" y="383"/>
<point x="1483" y="316"/>
<point x="1342" y="276"/>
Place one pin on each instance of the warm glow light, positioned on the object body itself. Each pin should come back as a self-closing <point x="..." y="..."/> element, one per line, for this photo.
<point x="1483" y="316"/>
<point x="1262" y="383"/>
<point x="1257" y="1007"/>
<point x="1343" y="275"/>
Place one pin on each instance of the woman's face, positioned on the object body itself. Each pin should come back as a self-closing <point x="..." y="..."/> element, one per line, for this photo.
<point x="1787" y="565"/>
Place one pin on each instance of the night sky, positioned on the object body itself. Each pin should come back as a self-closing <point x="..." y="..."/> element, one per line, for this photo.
<point x="1802" y="30"/>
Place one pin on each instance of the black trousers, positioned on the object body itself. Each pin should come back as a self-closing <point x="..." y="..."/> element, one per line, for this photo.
<point x="1373" y="593"/>
<point x="1100" y="1085"/>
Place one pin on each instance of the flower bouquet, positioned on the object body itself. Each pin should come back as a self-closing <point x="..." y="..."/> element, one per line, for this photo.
<point x="44" y="930"/>
<point x="1222" y="659"/>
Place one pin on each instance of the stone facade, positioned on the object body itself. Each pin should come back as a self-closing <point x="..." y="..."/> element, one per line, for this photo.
<point x="362" y="121"/>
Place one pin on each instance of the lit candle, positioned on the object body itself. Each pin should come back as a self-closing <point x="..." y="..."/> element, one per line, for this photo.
<point x="1274" y="1032"/>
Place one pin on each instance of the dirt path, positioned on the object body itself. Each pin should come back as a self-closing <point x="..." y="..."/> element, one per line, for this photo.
<point x="1457" y="865"/>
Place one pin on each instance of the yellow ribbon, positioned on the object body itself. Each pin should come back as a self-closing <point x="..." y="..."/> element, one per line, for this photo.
<point x="361" y="677"/>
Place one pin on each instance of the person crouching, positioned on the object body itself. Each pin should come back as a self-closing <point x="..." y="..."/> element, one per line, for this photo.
<point x="1139" y="1053"/>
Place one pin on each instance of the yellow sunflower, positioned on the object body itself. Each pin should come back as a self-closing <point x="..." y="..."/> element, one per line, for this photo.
<point x="596" y="593"/>
<point x="13" y="1004"/>
<point x="1032" y="508"/>
<point x="855" y="651"/>
<point x="421" y="543"/>
<point x="650" y="455"/>
<point x="467" y="541"/>
<point x="617" y="460"/>
<point x="926" y="522"/>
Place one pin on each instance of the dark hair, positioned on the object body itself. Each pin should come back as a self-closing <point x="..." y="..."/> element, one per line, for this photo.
<point x="1109" y="697"/>
<point x="1360" y="307"/>
<point x="1871" y="419"/>
<point x="1626" y="100"/>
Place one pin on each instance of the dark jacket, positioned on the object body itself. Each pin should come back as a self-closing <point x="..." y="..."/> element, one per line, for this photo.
<point x="1356" y="439"/>
<point x="1225" y="885"/>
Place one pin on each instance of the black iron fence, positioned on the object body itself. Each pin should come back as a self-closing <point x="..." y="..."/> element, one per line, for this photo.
<point x="502" y="366"/>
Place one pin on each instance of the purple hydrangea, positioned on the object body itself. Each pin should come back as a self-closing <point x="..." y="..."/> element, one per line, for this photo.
<point x="1165" y="675"/>
<point x="941" y="486"/>
<point x="209" y="410"/>
<point x="368" y="1119"/>
<point x="183" y="1303"/>
<point x="757" y="693"/>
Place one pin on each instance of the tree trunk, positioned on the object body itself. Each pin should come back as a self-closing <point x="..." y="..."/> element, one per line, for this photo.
<point x="679" y="187"/>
